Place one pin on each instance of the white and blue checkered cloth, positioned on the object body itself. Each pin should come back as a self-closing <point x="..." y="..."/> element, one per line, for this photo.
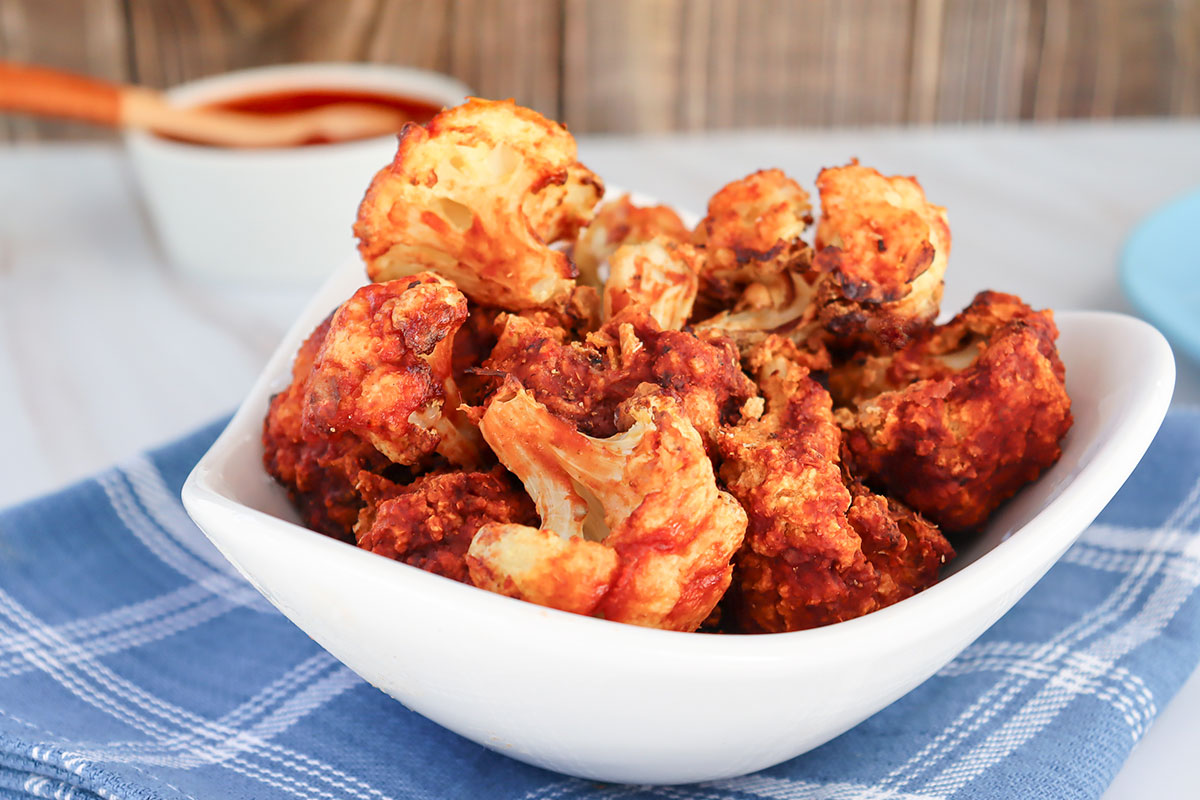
<point x="134" y="663"/>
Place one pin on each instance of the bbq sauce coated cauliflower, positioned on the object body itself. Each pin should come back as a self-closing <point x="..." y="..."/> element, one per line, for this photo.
<point x="959" y="420"/>
<point x="318" y="469"/>
<point x="430" y="522"/>
<point x="383" y="372"/>
<point x="819" y="548"/>
<point x="634" y="528"/>
<point x="666" y="458"/>
<point x="751" y="235"/>
<point x="882" y="250"/>
<point x="584" y="383"/>
<point x="477" y="195"/>
<point x="756" y="277"/>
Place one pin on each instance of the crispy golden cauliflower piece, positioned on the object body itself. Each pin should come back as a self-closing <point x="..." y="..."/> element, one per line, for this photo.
<point x="940" y="351"/>
<point x="659" y="275"/>
<point x="477" y="195"/>
<point x="585" y="383"/>
<point x="634" y="528"/>
<point x="667" y="458"/>
<point x="384" y="372"/>
<point x="819" y="548"/>
<point x="430" y="522"/>
<point x="752" y="234"/>
<point x="882" y="250"/>
<point x="964" y="416"/>
<point x="318" y="469"/>
<point x="619" y="222"/>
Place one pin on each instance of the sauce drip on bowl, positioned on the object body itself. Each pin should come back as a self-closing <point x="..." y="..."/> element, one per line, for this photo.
<point x="288" y="100"/>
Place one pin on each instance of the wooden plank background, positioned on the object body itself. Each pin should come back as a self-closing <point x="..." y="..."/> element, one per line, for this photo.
<point x="658" y="65"/>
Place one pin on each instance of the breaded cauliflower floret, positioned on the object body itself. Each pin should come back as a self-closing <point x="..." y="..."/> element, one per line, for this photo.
<point x="819" y="548"/>
<point x="752" y="234"/>
<point x="907" y="550"/>
<point x="384" y="372"/>
<point x="318" y="469"/>
<point x="634" y="528"/>
<point x="584" y="383"/>
<point x="430" y="523"/>
<point x="882" y="250"/>
<point x="619" y="222"/>
<point x="937" y="352"/>
<point x="659" y="275"/>
<point x="959" y="420"/>
<point x="477" y="195"/>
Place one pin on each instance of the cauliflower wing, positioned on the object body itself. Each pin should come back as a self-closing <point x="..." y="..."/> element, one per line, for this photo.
<point x="634" y="528"/>
<point x="907" y="550"/>
<point x="478" y="195"/>
<point x="819" y="547"/>
<point x="619" y="222"/>
<point x="752" y="234"/>
<point x="659" y="275"/>
<point x="384" y="372"/>
<point x="430" y="522"/>
<point x="702" y="372"/>
<point x="968" y="413"/>
<point x="937" y="352"/>
<point x="584" y="383"/>
<point x="882" y="251"/>
<point x="318" y="469"/>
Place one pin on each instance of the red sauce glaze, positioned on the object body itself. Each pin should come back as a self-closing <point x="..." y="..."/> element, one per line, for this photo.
<point x="290" y="100"/>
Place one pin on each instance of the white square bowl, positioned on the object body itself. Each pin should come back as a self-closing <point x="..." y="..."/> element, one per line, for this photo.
<point x="613" y="702"/>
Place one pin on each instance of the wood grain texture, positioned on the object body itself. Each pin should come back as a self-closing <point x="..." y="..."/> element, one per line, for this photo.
<point x="1185" y="52"/>
<point x="509" y="48"/>
<point x="87" y="37"/>
<point x="660" y="65"/>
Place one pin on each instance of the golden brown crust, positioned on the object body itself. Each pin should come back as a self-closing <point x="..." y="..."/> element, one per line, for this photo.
<point x="318" y="470"/>
<point x="611" y="401"/>
<point x="383" y="370"/>
<point x="819" y="547"/>
<point x="585" y="382"/>
<point x="882" y="251"/>
<point x="906" y="550"/>
<point x="752" y="234"/>
<point x="956" y="442"/>
<point x="646" y="495"/>
<point x="430" y="523"/>
<point x="477" y="195"/>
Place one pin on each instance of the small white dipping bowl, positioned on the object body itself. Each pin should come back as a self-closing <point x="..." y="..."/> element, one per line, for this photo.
<point x="614" y="702"/>
<point x="271" y="215"/>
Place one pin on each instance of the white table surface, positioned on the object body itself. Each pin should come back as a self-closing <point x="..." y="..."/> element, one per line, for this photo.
<point x="104" y="351"/>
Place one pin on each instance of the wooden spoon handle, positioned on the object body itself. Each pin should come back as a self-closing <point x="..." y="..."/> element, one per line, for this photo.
<point x="48" y="92"/>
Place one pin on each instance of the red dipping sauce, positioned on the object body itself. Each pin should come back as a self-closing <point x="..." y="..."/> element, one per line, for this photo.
<point x="287" y="100"/>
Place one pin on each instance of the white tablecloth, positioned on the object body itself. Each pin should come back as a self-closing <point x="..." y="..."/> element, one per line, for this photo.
<point x="104" y="351"/>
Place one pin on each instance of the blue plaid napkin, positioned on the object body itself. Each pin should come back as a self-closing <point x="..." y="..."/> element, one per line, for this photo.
<point x="134" y="663"/>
